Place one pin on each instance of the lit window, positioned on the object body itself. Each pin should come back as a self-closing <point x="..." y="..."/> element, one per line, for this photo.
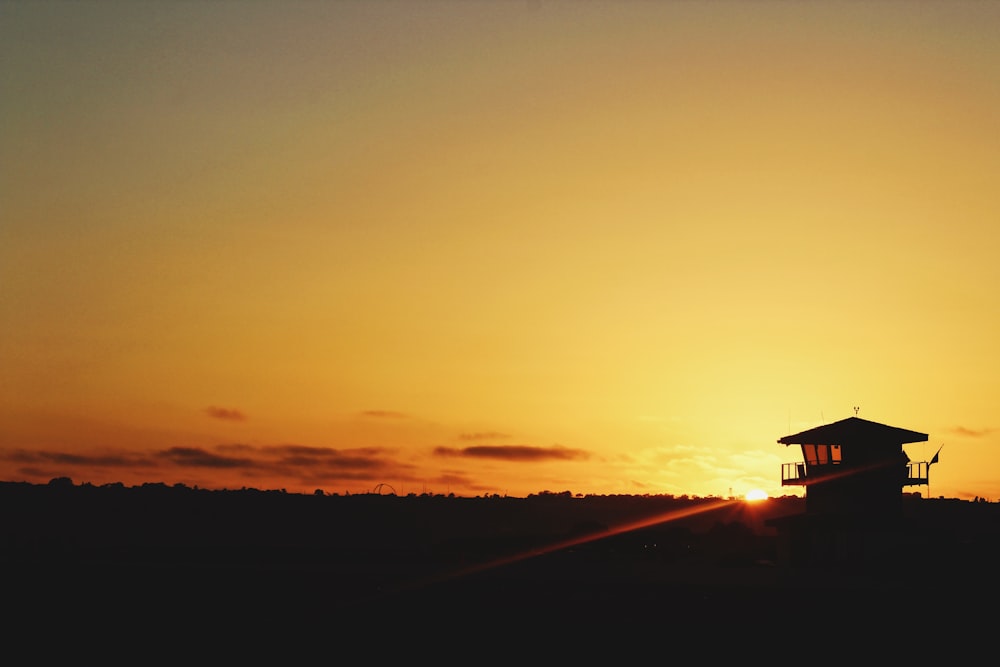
<point x="809" y="453"/>
<point x="821" y="455"/>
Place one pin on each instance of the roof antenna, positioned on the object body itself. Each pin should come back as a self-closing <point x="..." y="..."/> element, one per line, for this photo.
<point x="856" y="408"/>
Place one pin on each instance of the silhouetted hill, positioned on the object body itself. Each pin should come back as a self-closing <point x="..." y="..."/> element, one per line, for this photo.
<point x="155" y="522"/>
<point x="276" y="564"/>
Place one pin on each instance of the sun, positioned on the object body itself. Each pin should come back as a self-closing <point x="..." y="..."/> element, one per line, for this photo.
<point x="756" y="494"/>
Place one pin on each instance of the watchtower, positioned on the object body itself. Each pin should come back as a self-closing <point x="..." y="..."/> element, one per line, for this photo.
<point x="854" y="468"/>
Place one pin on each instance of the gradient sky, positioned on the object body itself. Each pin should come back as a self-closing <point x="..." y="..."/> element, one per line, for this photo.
<point x="495" y="247"/>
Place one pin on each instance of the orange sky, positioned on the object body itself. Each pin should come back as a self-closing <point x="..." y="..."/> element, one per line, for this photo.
<point x="495" y="247"/>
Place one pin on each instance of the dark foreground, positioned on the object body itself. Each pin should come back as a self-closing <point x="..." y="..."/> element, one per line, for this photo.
<point x="208" y="577"/>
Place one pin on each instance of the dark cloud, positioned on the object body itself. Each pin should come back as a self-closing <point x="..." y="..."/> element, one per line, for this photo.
<point x="356" y="463"/>
<point x="971" y="433"/>
<point x="336" y="462"/>
<point x="235" y="447"/>
<point x="485" y="435"/>
<point x="327" y="466"/>
<point x="318" y="465"/>
<point x="300" y="450"/>
<point x="313" y="466"/>
<point x="226" y="414"/>
<point x="514" y="453"/>
<point x="117" y="460"/>
<point x="384" y="414"/>
<point x="196" y="457"/>
<point x="327" y="457"/>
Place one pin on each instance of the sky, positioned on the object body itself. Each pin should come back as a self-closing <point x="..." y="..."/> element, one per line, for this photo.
<point x="502" y="247"/>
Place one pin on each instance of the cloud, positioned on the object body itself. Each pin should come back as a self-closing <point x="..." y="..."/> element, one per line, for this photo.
<point x="105" y="460"/>
<point x="285" y="460"/>
<point x="199" y="458"/>
<point x="334" y="461"/>
<point x="222" y="466"/>
<point x="320" y="466"/>
<point x="284" y="452"/>
<point x="235" y="447"/>
<point x="225" y="414"/>
<point x="513" y="453"/>
<point x="485" y="435"/>
<point x="971" y="433"/>
<point x="384" y="414"/>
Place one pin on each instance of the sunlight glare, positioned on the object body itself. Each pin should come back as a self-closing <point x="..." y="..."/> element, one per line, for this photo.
<point x="756" y="494"/>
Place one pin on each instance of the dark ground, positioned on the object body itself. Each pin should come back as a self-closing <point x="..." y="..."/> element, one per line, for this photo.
<point x="236" y="575"/>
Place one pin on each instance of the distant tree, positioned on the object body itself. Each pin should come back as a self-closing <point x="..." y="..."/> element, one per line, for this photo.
<point x="318" y="492"/>
<point x="62" y="482"/>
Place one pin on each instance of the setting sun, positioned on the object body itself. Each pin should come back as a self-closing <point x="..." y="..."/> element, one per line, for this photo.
<point x="756" y="494"/>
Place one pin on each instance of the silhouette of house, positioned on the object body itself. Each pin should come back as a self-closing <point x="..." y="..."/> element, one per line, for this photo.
<point x="853" y="471"/>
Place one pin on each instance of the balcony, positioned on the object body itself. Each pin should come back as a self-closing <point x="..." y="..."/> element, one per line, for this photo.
<point x="798" y="474"/>
<point x="793" y="474"/>
<point x="917" y="473"/>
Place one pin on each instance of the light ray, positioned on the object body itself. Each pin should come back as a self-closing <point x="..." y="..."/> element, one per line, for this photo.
<point x="665" y="517"/>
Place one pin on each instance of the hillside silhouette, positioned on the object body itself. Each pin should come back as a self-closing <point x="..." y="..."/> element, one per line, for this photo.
<point x="284" y="564"/>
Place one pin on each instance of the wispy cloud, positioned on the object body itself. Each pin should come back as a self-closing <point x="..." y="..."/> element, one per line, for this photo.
<point x="274" y="466"/>
<point x="971" y="432"/>
<point x="200" y="458"/>
<point x="513" y="453"/>
<point x="225" y="414"/>
<point x="297" y="456"/>
<point x="484" y="435"/>
<point x="384" y="414"/>
<point x="295" y="461"/>
<point x="102" y="460"/>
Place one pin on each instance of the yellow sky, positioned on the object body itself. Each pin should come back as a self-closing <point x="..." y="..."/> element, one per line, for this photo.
<point x="495" y="247"/>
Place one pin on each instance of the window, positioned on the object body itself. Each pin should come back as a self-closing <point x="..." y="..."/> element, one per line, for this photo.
<point x="809" y="453"/>
<point x="821" y="455"/>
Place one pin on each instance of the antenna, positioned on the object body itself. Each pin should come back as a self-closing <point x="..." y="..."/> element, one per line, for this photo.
<point x="856" y="408"/>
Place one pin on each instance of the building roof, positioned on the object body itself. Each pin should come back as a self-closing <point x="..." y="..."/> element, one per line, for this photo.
<point x="853" y="429"/>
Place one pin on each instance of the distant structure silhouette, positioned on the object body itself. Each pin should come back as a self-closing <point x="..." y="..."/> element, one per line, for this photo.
<point x="853" y="471"/>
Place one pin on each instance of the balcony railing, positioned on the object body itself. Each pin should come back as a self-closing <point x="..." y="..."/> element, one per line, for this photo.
<point x="798" y="474"/>
<point x="793" y="473"/>
<point x="917" y="473"/>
